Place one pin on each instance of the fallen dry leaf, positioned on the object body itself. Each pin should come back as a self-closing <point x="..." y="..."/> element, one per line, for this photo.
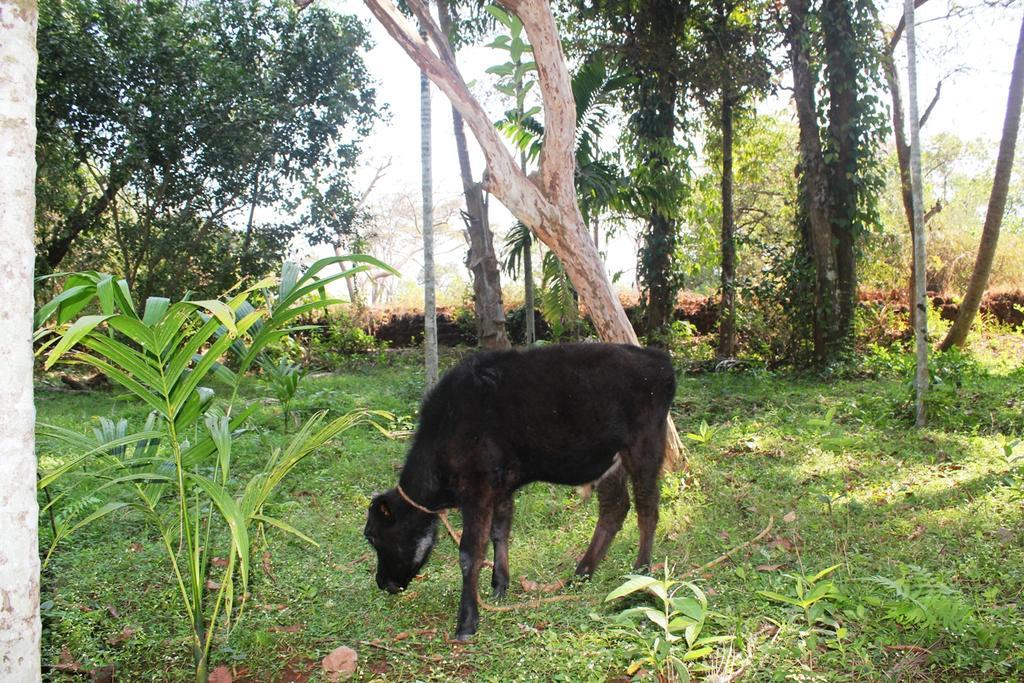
<point x="427" y="632"/>
<point x="292" y="628"/>
<point x="125" y="635"/>
<point x="219" y="562"/>
<point x="404" y="635"/>
<point x="135" y="547"/>
<point x="918" y="533"/>
<point x="212" y="585"/>
<point x="768" y="567"/>
<point x="67" y="662"/>
<point x="267" y="569"/>
<point x="789" y="517"/>
<point x="528" y="585"/>
<point x="552" y="587"/>
<point x="340" y="664"/>
<point x="220" y="674"/>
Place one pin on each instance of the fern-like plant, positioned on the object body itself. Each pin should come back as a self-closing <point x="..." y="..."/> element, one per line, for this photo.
<point x="175" y="472"/>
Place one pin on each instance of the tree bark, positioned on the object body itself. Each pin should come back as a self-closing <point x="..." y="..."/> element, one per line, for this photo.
<point x="917" y="305"/>
<point x="727" y="312"/>
<point x="78" y="223"/>
<point x="429" y="300"/>
<point x="839" y="40"/>
<point x="19" y="511"/>
<point x="815" y="181"/>
<point x="482" y="261"/>
<point x="546" y="202"/>
<point x="957" y="334"/>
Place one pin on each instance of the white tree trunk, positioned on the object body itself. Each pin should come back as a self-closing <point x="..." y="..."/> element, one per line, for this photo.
<point x="19" y="512"/>
<point x="545" y="202"/>
<point x="919" y="306"/>
<point x="429" y="298"/>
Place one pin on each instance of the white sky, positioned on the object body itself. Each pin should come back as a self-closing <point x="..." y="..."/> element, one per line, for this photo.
<point x="972" y="55"/>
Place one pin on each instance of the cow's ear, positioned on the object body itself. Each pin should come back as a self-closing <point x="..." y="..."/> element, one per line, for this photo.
<point x="384" y="509"/>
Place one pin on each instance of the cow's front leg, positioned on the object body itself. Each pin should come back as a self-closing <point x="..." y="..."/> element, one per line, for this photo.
<point x="476" y="522"/>
<point x="501" y="523"/>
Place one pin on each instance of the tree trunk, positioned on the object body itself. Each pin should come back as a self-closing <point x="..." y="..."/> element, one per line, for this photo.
<point x="482" y="261"/>
<point x="83" y="221"/>
<point x="19" y="511"/>
<point x="545" y="202"/>
<point x="815" y="182"/>
<point x="429" y="300"/>
<point x="727" y="312"/>
<point x="842" y="168"/>
<point x="917" y="305"/>
<point x="957" y="334"/>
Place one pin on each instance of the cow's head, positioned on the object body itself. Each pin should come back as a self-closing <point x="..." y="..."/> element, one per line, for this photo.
<point x="402" y="537"/>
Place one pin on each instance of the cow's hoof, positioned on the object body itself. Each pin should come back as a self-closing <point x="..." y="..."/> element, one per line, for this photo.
<point x="499" y="592"/>
<point x="463" y="637"/>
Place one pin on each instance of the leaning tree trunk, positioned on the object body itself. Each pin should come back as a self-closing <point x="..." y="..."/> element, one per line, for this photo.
<point x="546" y="202"/>
<point x="727" y="313"/>
<point x="957" y="334"/>
<point x="429" y="300"/>
<point x="483" y="263"/>
<point x="19" y="512"/>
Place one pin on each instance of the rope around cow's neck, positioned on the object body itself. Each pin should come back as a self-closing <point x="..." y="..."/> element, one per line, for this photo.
<point x="442" y="513"/>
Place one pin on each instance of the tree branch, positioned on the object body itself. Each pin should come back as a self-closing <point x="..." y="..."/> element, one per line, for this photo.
<point x="931" y="105"/>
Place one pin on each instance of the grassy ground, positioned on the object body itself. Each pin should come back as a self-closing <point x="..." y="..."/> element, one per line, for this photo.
<point x="927" y="528"/>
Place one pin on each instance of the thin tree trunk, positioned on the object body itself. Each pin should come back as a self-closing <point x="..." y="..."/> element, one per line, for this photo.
<point x="482" y="261"/>
<point x="957" y="334"/>
<point x="727" y="312"/>
<point x="920" y="316"/>
<point x="84" y="221"/>
<point x="429" y="300"/>
<point x="19" y="511"/>
<point x="546" y="203"/>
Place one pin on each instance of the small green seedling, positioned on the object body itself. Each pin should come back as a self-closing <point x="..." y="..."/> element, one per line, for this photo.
<point x="811" y="595"/>
<point x="667" y="636"/>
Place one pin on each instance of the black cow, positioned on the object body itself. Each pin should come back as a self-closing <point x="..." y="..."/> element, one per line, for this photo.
<point x="567" y="414"/>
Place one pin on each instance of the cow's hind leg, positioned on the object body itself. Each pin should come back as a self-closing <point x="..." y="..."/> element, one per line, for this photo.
<point x="613" y="504"/>
<point x="501" y="523"/>
<point x="645" y="466"/>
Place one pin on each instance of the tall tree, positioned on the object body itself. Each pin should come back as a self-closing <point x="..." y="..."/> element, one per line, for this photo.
<point x="957" y="334"/>
<point x="650" y="37"/>
<point x="838" y="168"/>
<point x="732" y="68"/>
<point x="482" y="260"/>
<point x="19" y="553"/>
<point x="427" y="190"/>
<point x="547" y="201"/>
<point x="164" y="126"/>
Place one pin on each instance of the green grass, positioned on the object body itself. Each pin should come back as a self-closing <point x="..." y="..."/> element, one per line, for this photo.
<point x="835" y="463"/>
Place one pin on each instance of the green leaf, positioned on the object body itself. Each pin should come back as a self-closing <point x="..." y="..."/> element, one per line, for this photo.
<point x="236" y="522"/>
<point x="105" y="293"/>
<point x="76" y="293"/>
<point x="285" y="527"/>
<point x="823" y="573"/>
<point x="500" y="15"/>
<point x="73" y="335"/>
<point x="778" y="597"/>
<point x="635" y="583"/>
<point x="221" y="311"/>
<point x="156" y="307"/>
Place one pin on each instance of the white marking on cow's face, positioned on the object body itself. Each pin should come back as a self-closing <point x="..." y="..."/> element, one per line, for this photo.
<point x="422" y="546"/>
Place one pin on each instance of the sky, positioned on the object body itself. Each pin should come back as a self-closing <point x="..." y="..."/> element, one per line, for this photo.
<point x="972" y="55"/>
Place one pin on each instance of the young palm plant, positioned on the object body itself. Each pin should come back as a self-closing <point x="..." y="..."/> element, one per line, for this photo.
<point x="176" y="471"/>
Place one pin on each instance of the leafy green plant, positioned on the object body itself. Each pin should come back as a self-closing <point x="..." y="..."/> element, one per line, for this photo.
<point x="666" y="636"/>
<point x="917" y="599"/>
<point x="176" y="471"/>
<point x="704" y="434"/>
<point x="283" y="378"/>
<point x="811" y="595"/>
